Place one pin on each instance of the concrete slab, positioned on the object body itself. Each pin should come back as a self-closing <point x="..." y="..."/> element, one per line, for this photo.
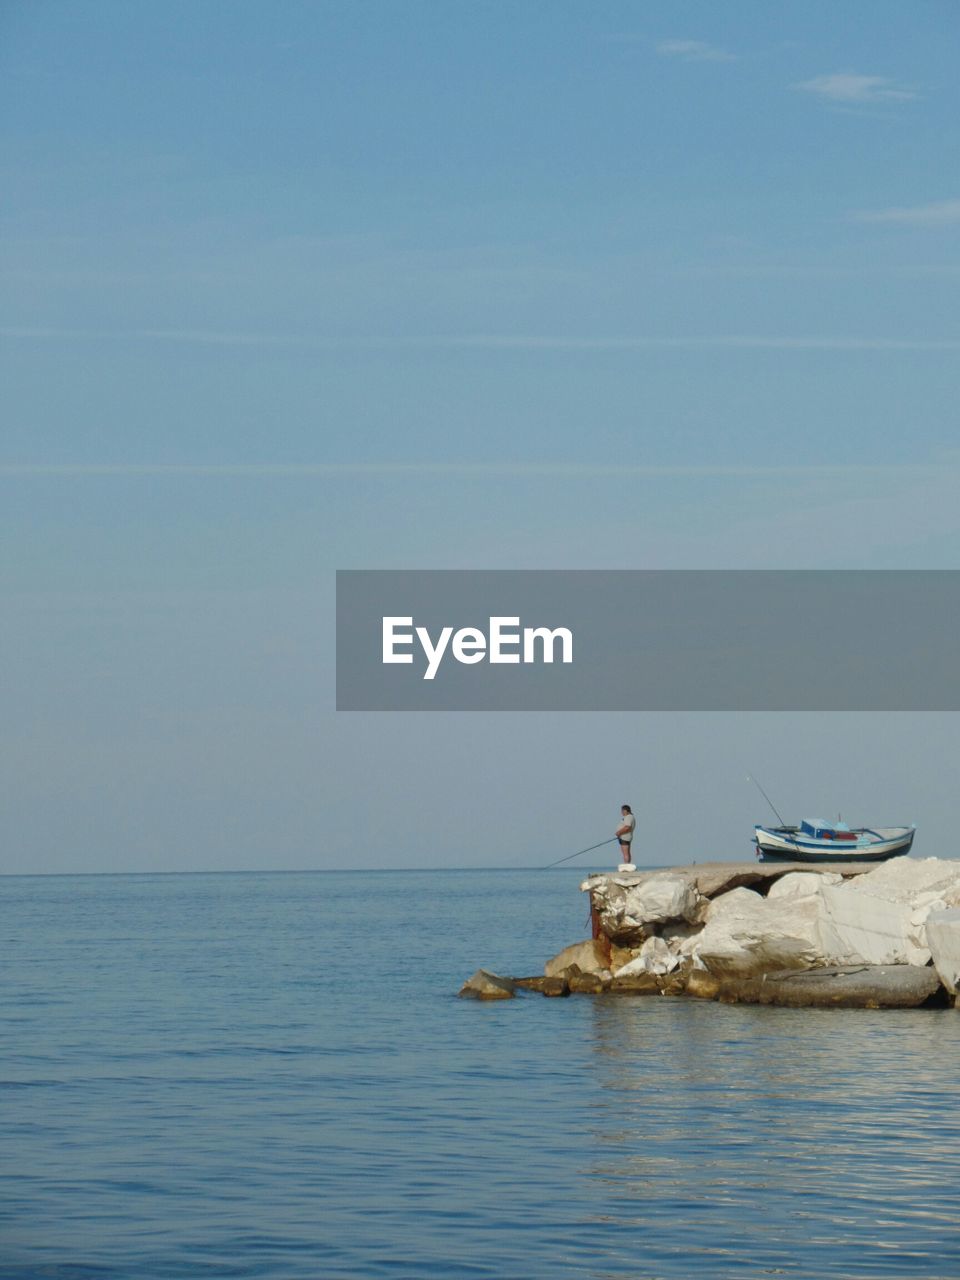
<point x="713" y="878"/>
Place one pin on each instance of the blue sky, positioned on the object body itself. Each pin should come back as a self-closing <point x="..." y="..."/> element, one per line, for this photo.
<point x="295" y="287"/>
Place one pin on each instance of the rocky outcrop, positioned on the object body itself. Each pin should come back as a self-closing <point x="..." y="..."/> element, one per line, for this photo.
<point x="794" y="916"/>
<point x="840" y="935"/>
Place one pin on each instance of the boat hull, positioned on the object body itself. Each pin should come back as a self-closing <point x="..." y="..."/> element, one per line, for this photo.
<point x="776" y="844"/>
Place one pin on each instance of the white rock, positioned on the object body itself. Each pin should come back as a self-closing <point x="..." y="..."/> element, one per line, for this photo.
<point x="687" y="946"/>
<point x="630" y="913"/>
<point x="801" y="884"/>
<point x="808" y="918"/>
<point x="732" y="903"/>
<point x="943" y="936"/>
<point x="862" y="928"/>
<point x="681" y="938"/>
<point x="655" y="957"/>
<point x="880" y="917"/>
<point x="745" y="933"/>
<point x="664" y="898"/>
<point x="903" y="879"/>
<point x="917" y="923"/>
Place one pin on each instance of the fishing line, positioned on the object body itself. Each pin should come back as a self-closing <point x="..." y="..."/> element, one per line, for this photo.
<point x="571" y="856"/>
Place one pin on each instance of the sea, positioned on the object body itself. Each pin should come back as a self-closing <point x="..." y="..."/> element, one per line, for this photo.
<point x="270" y="1076"/>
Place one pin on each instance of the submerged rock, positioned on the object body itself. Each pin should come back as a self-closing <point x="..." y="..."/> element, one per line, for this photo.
<point x="586" y="983"/>
<point x="530" y="984"/>
<point x="636" y="984"/>
<point x="487" y="986"/>
<point x="897" y="986"/>
<point x="703" y="984"/>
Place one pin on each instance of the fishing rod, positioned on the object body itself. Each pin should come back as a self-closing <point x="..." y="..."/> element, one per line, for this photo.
<point x="792" y="839"/>
<point x="571" y="856"/>
<point x="750" y="778"/>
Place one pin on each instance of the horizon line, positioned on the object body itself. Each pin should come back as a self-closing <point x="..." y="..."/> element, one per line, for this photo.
<point x="490" y="342"/>
<point x="321" y="470"/>
<point x="298" y="871"/>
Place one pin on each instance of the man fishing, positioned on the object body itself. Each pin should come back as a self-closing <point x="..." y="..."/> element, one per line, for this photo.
<point x="624" y="834"/>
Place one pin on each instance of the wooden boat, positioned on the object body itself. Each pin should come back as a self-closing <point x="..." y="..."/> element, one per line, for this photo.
<point x="818" y="841"/>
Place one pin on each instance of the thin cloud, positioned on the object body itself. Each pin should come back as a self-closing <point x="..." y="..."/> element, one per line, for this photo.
<point x="694" y="51"/>
<point x="693" y="342"/>
<point x="940" y="213"/>
<point x="335" y="470"/>
<point x="847" y="86"/>
<point x="198" y="337"/>
<point x="488" y="341"/>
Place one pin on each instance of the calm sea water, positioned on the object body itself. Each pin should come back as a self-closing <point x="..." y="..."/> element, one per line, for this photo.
<point x="270" y="1076"/>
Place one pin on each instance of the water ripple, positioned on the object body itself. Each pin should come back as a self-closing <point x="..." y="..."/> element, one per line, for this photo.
<point x="195" y="1083"/>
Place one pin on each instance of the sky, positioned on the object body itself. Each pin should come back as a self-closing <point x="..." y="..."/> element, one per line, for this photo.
<point x="296" y="287"/>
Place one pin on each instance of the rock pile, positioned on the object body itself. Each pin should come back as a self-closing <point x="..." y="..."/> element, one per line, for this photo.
<point x="881" y="935"/>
